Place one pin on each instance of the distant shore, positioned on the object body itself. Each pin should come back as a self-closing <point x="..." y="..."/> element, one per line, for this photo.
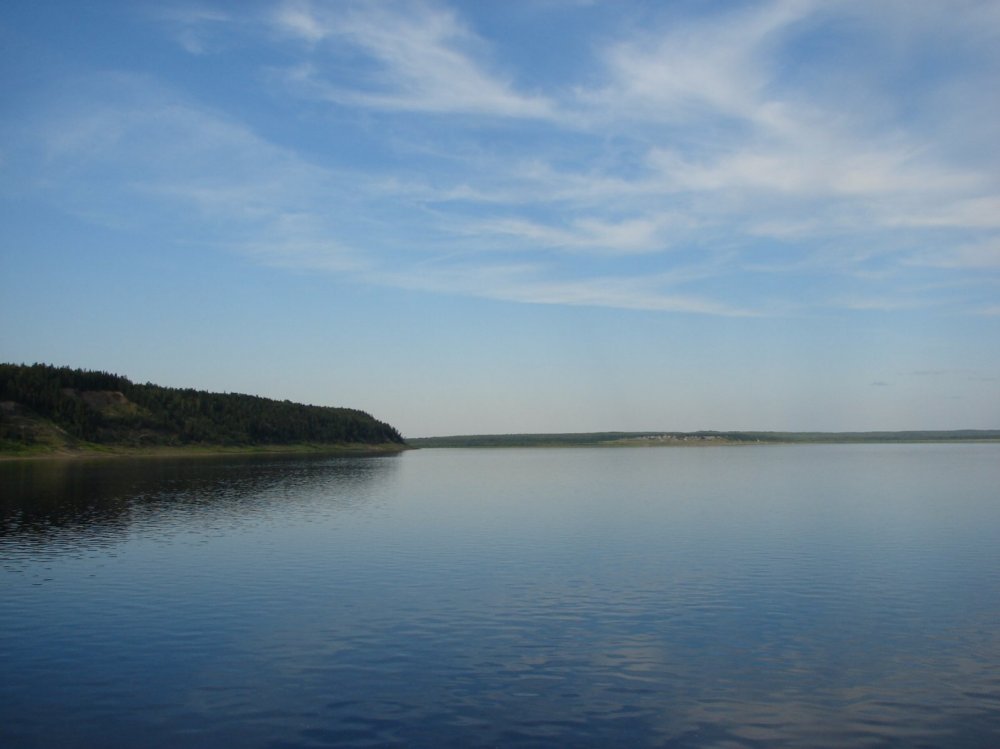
<point x="704" y="439"/>
<point x="103" y="452"/>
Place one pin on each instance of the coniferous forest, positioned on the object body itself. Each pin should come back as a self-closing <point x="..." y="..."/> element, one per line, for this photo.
<point x="104" y="408"/>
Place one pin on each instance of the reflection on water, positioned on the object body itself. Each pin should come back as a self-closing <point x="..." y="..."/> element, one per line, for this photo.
<point x="731" y="597"/>
<point x="59" y="505"/>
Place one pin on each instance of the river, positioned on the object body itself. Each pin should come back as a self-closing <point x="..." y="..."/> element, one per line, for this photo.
<point x="755" y="596"/>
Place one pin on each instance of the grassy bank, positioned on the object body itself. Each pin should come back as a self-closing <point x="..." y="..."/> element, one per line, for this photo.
<point x="86" y="451"/>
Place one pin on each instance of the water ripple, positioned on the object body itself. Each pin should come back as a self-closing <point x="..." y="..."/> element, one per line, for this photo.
<point x="843" y="596"/>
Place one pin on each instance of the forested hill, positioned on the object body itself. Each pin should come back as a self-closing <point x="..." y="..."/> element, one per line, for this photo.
<point x="43" y="404"/>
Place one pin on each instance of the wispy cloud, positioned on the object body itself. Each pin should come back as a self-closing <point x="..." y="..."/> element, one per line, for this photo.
<point x="629" y="236"/>
<point x="526" y="283"/>
<point x="966" y="213"/>
<point x="184" y="159"/>
<point x="984" y="255"/>
<point x="420" y="58"/>
<point x="686" y="70"/>
<point x="720" y="162"/>
<point x="194" y="27"/>
<point x="734" y="127"/>
<point x="123" y="140"/>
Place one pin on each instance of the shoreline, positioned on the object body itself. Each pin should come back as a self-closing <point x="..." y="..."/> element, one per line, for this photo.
<point x="113" y="452"/>
<point x="517" y="441"/>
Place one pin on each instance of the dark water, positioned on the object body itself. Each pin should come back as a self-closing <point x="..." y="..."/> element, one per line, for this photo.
<point x="805" y="596"/>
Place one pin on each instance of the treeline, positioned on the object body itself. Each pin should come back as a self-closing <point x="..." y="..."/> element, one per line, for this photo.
<point x="87" y="406"/>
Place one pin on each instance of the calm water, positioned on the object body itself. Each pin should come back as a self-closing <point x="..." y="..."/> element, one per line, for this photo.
<point x="802" y="596"/>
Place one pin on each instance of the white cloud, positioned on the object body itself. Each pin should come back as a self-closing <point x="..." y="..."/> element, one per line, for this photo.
<point x="124" y="141"/>
<point x="979" y="255"/>
<point x="628" y="236"/>
<point x="298" y="19"/>
<point x="424" y="55"/>
<point x="978" y="212"/>
<point x="527" y="283"/>
<point x="698" y="158"/>
<point x="693" y="68"/>
<point x="273" y="205"/>
<point x="879" y="304"/>
<point x="733" y="128"/>
<point x="193" y="26"/>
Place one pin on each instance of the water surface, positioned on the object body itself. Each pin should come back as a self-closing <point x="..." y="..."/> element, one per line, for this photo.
<point x="807" y="595"/>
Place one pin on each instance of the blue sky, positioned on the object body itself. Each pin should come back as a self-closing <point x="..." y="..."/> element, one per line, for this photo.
<point x="547" y="215"/>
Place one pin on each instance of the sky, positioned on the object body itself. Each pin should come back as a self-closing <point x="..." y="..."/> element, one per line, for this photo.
<point x="520" y="216"/>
